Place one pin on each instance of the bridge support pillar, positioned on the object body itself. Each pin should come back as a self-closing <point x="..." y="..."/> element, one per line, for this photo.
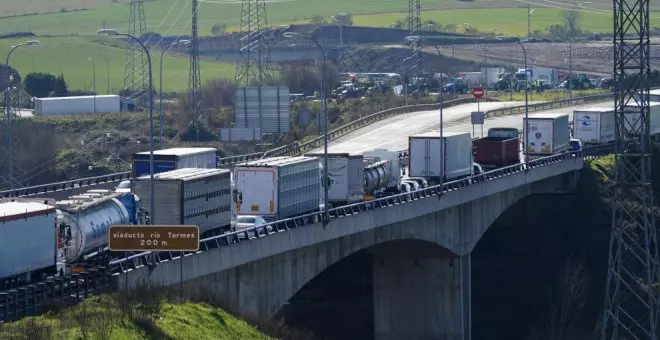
<point x="421" y="298"/>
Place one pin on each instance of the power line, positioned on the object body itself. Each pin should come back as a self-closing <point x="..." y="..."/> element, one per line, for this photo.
<point x="194" y="81"/>
<point x="631" y="299"/>
<point x="253" y="61"/>
<point x="135" y="69"/>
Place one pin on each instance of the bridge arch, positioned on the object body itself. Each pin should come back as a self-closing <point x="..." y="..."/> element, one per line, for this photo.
<point x="261" y="287"/>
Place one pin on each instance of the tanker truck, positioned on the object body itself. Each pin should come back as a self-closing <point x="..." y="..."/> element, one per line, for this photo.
<point x="83" y="221"/>
<point x="382" y="173"/>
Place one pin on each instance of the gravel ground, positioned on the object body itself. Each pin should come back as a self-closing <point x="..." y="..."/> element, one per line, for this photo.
<point x="594" y="58"/>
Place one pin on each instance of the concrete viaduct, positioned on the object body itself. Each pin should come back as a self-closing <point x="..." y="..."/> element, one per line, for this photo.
<point x="421" y="249"/>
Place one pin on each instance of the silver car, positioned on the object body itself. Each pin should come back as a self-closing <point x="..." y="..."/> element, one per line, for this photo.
<point x="243" y="222"/>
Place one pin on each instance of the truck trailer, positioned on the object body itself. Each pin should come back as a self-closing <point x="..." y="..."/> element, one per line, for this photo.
<point x="28" y="240"/>
<point x="593" y="125"/>
<point x="200" y="197"/>
<point x="278" y="187"/>
<point x="346" y="173"/>
<point x="500" y="148"/>
<point x="491" y="75"/>
<point x="175" y="158"/>
<point x="60" y="106"/>
<point x="654" y="117"/>
<point x="435" y="159"/>
<point x="548" y="134"/>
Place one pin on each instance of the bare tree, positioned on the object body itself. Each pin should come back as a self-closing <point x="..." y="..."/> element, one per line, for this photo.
<point x="572" y="22"/>
<point x="566" y="302"/>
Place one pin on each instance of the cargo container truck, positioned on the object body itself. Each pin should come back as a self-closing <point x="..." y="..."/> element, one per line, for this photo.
<point x="59" y="106"/>
<point x="175" y="158"/>
<point x="200" y="197"/>
<point x="440" y="160"/>
<point x="278" y="187"/>
<point x="28" y="240"/>
<point x="382" y="172"/>
<point x="593" y="125"/>
<point x="500" y="148"/>
<point x="346" y="174"/>
<point x="548" y="134"/>
<point x="654" y="117"/>
<point x="491" y="75"/>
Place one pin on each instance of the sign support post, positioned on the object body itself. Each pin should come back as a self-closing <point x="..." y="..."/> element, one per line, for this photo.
<point x="478" y="117"/>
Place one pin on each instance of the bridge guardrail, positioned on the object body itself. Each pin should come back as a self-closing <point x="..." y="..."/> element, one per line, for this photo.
<point x="152" y="258"/>
<point x="297" y="148"/>
<point x="66" y="185"/>
<point x="32" y="299"/>
<point x="549" y="105"/>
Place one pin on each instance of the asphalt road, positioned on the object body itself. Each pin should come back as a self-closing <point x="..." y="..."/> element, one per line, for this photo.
<point x="392" y="134"/>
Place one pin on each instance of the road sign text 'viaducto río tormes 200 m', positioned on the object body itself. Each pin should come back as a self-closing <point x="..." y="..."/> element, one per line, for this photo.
<point x="156" y="238"/>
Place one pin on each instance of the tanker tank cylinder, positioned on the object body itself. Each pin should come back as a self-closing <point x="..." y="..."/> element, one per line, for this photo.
<point x="88" y="225"/>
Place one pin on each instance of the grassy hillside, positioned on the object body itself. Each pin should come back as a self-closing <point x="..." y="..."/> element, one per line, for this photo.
<point x="69" y="56"/>
<point x="173" y="16"/>
<point x="108" y="319"/>
<point x="505" y="21"/>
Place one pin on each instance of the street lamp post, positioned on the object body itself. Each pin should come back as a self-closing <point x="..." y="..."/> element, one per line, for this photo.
<point x="324" y="109"/>
<point x="107" y="72"/>
<point x="525" y="128"/>
<point x="529" y="20"/>
<point x="161" y="119"/>
<point x="107" y="31"/>
<point x="6" y="77"/>
<point x="416" y="39"/>
<point x="93" y="80"/>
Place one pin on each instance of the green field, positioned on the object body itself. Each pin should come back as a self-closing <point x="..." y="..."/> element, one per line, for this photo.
<point x="69" y="56"/>
<point x="504" y="21"/>
<point x="172" y="17"/>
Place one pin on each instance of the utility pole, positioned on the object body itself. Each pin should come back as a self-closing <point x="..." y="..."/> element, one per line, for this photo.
<point x="253" y="62"/>
<point x="529" y="20"/>
<point x="415" y="27"/>
<point x="485" y="69"/>
<point x="194" y="79"/>
<point x="631" y="300"/>
<point x="135" y="69"/>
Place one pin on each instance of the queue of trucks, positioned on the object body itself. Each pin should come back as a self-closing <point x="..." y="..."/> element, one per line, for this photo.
<point x="41" y="237"/>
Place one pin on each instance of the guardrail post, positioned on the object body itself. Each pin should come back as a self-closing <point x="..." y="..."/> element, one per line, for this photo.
<point x="4" y="297"/>
<point x="42" y="289"/>
<point x="60" y="283"/>
<point x="24" y="299"/>
<point x="34" y="299"/>
<point x="76" y="279"/>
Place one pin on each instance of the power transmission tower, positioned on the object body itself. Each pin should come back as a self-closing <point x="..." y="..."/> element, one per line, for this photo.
<point x="415" y="26"/>
<point x="194" y="81"/>
<point x="253" y="63"/>
<point x="631" y="301"/>
<point x="135" y="70"/>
